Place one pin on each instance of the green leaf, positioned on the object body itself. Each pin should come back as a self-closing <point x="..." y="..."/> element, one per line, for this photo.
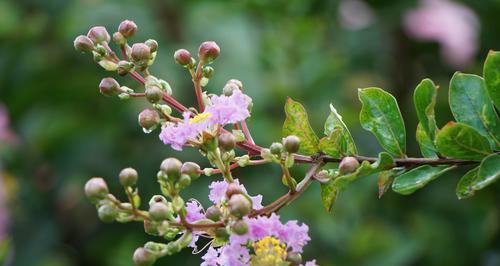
<point x="338" y="133"/>
<point x="417" y="178"/>
<point x="457" y="140"/>
<point x="424" y="99"/>
<point x="489" y="171"/>
<point x="427" y="147"/>
<point x="329" y="194"/>
<point x="491" y="75"/>
<point x="384" y="162"/>
<point x="380" y="115"/>
<point x="470" y="104"/>
<point x="334" y="144"/>
<point x="464" y="187"/>
<point x="385" y="179"/>
<point x="297" y="123"/>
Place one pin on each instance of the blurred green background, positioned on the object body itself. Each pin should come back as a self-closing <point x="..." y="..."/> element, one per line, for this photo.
<point x="317" y="52"/>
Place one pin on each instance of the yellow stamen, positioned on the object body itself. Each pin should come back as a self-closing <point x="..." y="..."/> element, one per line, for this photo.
<point x="268" y="251"/>
<point x="199" y="118"/>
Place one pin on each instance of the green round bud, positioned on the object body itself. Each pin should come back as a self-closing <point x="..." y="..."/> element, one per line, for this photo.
<point x="109" y="87"/>
<point x="236" y="82"/>
<point x="152" y="44"/>
<point x="149" y="228"/>
<point x="96" y="189"/>
<point x="157" y="198"/>
<point x="227" y="141"/>
<point x="127" y="28"/>
<point x="140" y="52"/>
<point x="239" y="205"/>
<point x="208" y="72"/>
<point x="191" y="169"/>
<point x="159" y="211"/>
<point x="222" y="233"/>
<point x="348" y="165"/>
<point x="119" y="39"/>
<point x="128" y="177"/>
<point x="83" y="43"/>
<point x="143" y="257"/>
<point x="124" y="67"/>
<point x="184" y="181"/>
<point x="154" y="94"/>
<point x="149" y="119"/>
<point x="276" y="148"/>
<point x="291" y="144"/>
<point x="213" y="213"/>
<point x="98" y="34"/>
<point x="172" y="167"/>
<point x="208" y="51"/>
<point x="229" y="88"/>
<point x="294" y="258"/>
<point x="182" y="57"/>
<point x="107" y="213"/>
<point x="233" y="189"/>
<point x="240" y="227"/>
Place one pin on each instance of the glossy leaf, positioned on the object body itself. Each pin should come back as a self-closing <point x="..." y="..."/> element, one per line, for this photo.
<point x="385" y="179"/>
<point x="329" y="193"/>
<point x="464" y="187"/>
<point x="427" y="147"/>
<point x="424" y="99"/>
<point x="491" y="75"/>
<point x="333" y="145"/>
<point x="417" y="178"/>
<point x="470" y="104"/>
<point x="380" y="115"/>
<point x="457" y="140"/>
<point x="337" y="133"/>
<point x="297" y="123"/>
<point x="489" y="171"/>
<point x="384" y="162"/>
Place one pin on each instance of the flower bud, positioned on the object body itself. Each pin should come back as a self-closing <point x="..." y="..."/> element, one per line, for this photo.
<point x="143" y="257"/>
<point x="149" y="228"/>
<point x="276" y="148"/>
<point x="208" y="51"/>
<point x="119" y="39"/>
<point x="172" y="167"/>
<point x="240" y="227"/>
<point x="184" y="181"/>
<point x="294" y="258"/>
<point x="107" y="213"/>
<point x="154" y="94"/>
<point x="140" y="52"/>
<point x="159" y="211"/>
<point x="152" y="44"/>
<point x="233" y="189"/>
<point x="124" y="67"/>
<point x="239" y="205"/>
<point x="291" y="143"/>
<point x="96" y="189"/>
<point x="222" y="234"/>
<point x="213" y="213"/>
<point x="236" y="82"/>
<point x="157" y="198"/>
<point x="229" y="88"/>
<point x="348" y="165"/>
<point x="128" y="177"/>
<point x="109" y="87"/>
<point x="127" y="28"/>
<point x="182" y="57"/>
<point x="99" y="34"/>
<point x="208" y="72"/>
<point x="191" y="169"/>
<point x="83" y="43"/>
<point x="149" y="119"/>
<point x="227" y="141"/>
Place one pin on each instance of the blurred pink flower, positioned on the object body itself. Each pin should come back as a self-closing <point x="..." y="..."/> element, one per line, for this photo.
<point x="6" y="135"/>
<point x="454" y="26"/>
<point x="355" y="14"/>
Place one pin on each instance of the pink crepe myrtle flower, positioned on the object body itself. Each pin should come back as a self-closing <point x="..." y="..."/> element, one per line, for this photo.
<point x="218" y="193"/>
<point x="222" y="110"/>
<point x="454" y="26"/>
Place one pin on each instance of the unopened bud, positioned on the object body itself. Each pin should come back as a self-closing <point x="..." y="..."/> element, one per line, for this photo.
<point x="157" y="198"/>
<point x="240" y="227"/>
<point x="291" y="144"/>
<point x="140" y="52"/>
<point x="229" y="89"/>
<point x="83" y="43"/>
<point x="276" y="148"/>
<point x="184" y="181"/>
<point x="348" y="165"/>
<point x="107" y="213"/>
<point x="159" y="211"/>
<point x="96" y="189"/>
<point x="233" y="189"/>
<point x="143" y="257"/>
<point x="208" y="51"/>
<point x="191" y="169"/>
<point x="154" y="94"/>
<point x="235" y="82"/>
<point x="182" y="57"/>
<point x="213" y="213"/>
<point x="227" y="141"/>
<point x="128" y="177"/>
<point x="152" y="44"/>
<point x="109" y="87"/>
<point x="149" y="119"/>
<point x="124" y="67"/>
<point x="99" y="34"/>
<point x="294" y="258"/>
<point x="172" y="167"/>
<point x="239" y="205"/>
<point x="208" y="72"/>
<point x="127" y="28"/>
